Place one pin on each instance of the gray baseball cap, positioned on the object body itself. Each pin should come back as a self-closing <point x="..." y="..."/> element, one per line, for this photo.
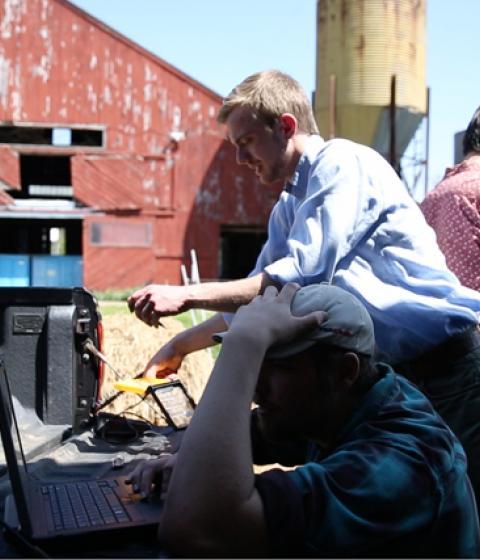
<point x="348" y="323"/>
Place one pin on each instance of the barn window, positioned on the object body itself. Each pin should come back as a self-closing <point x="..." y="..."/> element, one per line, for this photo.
<point x="45" y="177"/>
<point x="121" y="234"/>
<point x="52" y="136"/>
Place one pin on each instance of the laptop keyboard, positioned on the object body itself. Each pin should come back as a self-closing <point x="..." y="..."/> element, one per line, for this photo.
<point x="84" y="504"/>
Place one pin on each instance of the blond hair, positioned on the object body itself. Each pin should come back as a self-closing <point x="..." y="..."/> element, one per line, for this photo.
<point x="270" y="94"/>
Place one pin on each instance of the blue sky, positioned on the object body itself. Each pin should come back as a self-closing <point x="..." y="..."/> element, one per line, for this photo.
<point x="220" y="42"/>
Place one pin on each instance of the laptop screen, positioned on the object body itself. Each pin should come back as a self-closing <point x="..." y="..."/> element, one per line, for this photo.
<point x="12" y="448"/>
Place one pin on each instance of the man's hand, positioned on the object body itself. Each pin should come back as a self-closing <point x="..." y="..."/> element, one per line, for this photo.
<point x="268" y="318"/>
<point x="165" y="362"/>
<point x="156" y="300"/>
<point x="148" y="474"/>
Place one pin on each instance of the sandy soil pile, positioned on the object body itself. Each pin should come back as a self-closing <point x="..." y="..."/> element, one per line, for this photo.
<point x="129" y="344"/>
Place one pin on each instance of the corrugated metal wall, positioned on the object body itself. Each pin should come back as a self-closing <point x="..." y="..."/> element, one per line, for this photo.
<point x="61" y="67"/>
<point x="364" y="43"/>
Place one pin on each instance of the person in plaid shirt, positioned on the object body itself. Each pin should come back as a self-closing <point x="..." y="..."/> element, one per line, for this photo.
<point x="452" y="209"/>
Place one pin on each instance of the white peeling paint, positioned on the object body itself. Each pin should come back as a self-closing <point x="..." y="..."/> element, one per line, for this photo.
<point x="148" y="75"/>
<point x="212" y="111"/>
<point x="147" y="92"/>
<point x="107" y="95"/>
<point x="118" y="141"/>
<point x="148" y="184"/>
<point x="208" y="199"/>
<point x="176" y="117"/>
<point x="92" y="97"/>
<point x="127" y="102"/>
<point x="137" y="112"/>
<point x="4" y="78"/>
<point x="11" y="8"/>
<point x="163" y="101"/>
<point x="16" y="105"/>
<point x="195" y="106"/>
<point x="63" y="112"/>
<point x="44" y="12"/>
<point x="43" y="32"/>
<point x="239" y="190"/>
<point x="93" y="62"/>
<point x="147" y="119"/>
<point x="48" y="106"/>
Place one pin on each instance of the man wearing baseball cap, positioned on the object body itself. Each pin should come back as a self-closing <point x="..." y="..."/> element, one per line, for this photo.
<point x="377" y="471"/>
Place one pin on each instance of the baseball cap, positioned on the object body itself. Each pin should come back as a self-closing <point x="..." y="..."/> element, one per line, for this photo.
<point x="348" y="324"/>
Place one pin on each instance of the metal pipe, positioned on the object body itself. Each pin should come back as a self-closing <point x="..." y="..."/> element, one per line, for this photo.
<point x="427" y="141"/>
<point x="332" y="106"/>
<point x="393" y="103"/>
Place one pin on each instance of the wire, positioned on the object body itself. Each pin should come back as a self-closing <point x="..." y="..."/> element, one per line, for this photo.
<point x="22" y="542"/>
<point x="142" y="418"/>
<point x="147" y="402"/>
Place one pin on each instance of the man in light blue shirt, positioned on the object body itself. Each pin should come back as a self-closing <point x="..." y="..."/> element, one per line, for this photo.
<point x="344" y="217"/>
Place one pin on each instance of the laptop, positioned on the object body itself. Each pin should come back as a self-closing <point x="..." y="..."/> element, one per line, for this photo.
<point x="46" y="511"/>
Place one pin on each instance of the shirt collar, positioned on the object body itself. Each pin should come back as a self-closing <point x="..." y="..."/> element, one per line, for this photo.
<point x="373" y="401"/>
<point x="297" y="185"/>
<point x="469" y="164"/>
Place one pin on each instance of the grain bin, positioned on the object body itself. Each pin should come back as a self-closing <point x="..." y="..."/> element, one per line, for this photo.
<point x="363" y="43"/>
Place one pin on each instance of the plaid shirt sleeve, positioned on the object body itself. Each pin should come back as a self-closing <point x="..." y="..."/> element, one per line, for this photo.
<point x="452" y="209"/>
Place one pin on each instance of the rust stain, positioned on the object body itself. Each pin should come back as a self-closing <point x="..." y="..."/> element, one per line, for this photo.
<point x="360" y="46"/>
<point x="344" y="9"/>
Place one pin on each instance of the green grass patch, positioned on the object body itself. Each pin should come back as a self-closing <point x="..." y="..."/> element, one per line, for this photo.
<point x="118" y="307"/>
<point x="115" y="295"/>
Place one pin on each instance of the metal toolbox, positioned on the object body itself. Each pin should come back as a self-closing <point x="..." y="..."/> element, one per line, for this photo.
<point x="43" y="333"/>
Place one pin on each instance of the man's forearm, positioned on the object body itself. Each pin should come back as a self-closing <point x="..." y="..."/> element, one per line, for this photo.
<point x="212" y="487"/>
<point x="226" y="296"/>
<point x="199" y="336"/>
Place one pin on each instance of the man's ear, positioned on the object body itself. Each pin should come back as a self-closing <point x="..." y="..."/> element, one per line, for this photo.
<point x="289" y="125"/>
<point x="349" y="371"/>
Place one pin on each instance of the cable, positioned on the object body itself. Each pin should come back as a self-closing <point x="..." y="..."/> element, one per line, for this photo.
<point x="23" y="543"/>
<point x="147" y="402"/>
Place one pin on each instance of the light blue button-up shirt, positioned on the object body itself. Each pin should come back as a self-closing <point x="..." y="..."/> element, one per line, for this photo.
<point x="346" y="218"/>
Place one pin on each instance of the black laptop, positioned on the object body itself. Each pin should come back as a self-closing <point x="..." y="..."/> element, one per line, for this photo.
<point x="46" y="511"/>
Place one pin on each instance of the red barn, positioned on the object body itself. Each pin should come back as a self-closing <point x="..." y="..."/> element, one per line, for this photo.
<point x="112" y="157"/>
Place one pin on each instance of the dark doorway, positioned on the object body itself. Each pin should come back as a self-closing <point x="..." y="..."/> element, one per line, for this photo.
<point x="41" y="237"/>
<point x="45" y="177"/>
<point x="240" y="246"/>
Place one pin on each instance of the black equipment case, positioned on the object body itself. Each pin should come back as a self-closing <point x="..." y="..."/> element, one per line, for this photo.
<point x="43" y="333"/>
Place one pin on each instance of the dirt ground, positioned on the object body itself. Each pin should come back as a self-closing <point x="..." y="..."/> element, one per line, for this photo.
<point x="129" y="344"/>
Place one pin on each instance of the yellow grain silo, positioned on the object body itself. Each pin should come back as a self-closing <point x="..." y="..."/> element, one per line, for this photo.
<point x="362" y="44"/>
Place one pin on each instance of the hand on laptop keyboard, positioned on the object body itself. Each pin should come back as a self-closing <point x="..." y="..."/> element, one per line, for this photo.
<point x="152" y="476"/>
